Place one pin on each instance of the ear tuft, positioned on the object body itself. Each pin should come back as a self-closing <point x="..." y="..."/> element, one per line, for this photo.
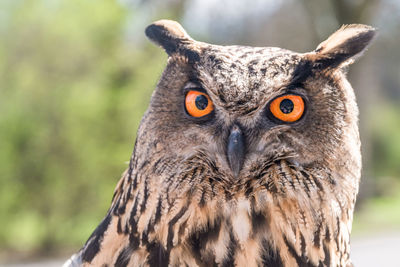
<point x="168" y="34"/>
<point x="345" y="45"/>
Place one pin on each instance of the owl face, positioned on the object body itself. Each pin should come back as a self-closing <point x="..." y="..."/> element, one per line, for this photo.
<point x="235" y="109"/>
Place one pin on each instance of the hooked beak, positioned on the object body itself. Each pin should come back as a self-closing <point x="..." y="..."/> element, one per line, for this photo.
<point x="236" y="150"/>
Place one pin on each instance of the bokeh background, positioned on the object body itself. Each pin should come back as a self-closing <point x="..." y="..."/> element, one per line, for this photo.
<point x="76" y="77"/>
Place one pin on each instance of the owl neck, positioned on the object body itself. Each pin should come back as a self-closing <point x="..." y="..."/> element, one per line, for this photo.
<point x="291" y="216"/>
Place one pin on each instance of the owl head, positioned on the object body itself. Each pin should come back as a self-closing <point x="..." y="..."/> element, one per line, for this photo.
<point x="234" y="110"/>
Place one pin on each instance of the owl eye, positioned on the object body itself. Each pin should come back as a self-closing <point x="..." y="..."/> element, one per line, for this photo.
<point x="287" y="108"/>
<point x="198" y="104"/>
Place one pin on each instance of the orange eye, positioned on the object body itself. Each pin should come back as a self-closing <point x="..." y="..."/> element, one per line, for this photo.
<point x="198" y="104"/>
<point x="287" y="108"/>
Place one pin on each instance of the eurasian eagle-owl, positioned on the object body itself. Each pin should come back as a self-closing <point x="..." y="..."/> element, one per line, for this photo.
<point x="246" y="156"/>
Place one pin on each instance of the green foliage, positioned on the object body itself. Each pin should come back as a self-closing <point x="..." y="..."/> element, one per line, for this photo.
<point x="380" y="214"/>
<point x="386" y="139"/>
<point x="72" y="93"/>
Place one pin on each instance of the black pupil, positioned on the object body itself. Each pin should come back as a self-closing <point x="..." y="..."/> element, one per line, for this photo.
<point x="201" y="102"/>
<point x="286" y="106"/>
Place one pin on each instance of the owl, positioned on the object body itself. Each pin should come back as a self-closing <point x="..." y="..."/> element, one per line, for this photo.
<point x="246" y="156"/>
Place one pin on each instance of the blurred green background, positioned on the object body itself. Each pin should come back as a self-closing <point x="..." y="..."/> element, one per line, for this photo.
<point x="77" y="75"/>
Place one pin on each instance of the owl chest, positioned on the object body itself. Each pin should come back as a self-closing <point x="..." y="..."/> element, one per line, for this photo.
<point x="261" y="230"/>
<point x="263" y="233"/>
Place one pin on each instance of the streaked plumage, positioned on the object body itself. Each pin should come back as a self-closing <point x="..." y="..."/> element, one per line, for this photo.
<point x="282" y="195"/>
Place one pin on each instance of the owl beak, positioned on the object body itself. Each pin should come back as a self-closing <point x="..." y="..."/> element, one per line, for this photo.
<point x="236" y="150"/>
